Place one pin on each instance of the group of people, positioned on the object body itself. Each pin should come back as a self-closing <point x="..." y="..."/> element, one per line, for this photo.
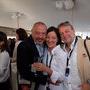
<point x="50" y="59"/>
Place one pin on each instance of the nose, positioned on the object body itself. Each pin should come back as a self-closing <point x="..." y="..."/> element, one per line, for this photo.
<point x="41" y="36"/>
<point x="50" y="40"/>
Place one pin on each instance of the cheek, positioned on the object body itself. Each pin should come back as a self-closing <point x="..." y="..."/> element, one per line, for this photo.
<point x="17" y="37"/>
<point x="44" y="37"/>
<point x="36" y="37"/>
<point x="53" y="43"/>
<point x="66" y="36"/>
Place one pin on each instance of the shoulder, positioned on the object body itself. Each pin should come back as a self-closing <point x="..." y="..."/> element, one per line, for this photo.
<point x="88" y="41"/>
<point x="4" y="54"/>
<point x="58" y="52"/>
<point x="58" y="49"/>
<point x="22" y="44"/>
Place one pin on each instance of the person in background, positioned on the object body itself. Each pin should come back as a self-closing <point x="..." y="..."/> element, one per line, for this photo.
<point x="4" y="63"/>
<point x="52" y="40"/>
<point x="11" y="45"/>
<point x="21" y="35"/>
<point x="32" y="50"/>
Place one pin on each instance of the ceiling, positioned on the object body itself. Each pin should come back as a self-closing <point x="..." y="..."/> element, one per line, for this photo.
<point x="46" y="11"/>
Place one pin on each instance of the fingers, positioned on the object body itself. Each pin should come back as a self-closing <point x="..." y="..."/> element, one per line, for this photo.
<point x="37" y="66"/>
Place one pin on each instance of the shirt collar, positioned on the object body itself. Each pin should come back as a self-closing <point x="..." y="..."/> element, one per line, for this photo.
<point x="37" y="44"/>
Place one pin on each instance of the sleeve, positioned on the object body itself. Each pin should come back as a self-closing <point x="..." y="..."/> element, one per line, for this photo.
<point x="14" y="54"/>
<point x="23" y="64"/>
<point x="4" y="63"/>
<point x="58" y="66"/>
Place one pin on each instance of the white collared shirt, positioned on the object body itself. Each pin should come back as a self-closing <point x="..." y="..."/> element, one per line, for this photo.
<point x="59" y="65"/>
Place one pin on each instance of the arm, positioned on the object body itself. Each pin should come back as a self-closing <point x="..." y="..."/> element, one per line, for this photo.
<point x="23" y="61"/>
<point x="4" y="63"/>
<point x="58" y="65"/>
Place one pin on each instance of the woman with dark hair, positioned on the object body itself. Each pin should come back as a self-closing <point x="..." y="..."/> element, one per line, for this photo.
<point x="4" y="63"/>
<point x="52" y="40"/>
<point x="53" y="29"/>
<point x="21" y="35"/>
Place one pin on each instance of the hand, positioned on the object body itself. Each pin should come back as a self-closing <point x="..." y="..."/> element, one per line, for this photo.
<point x="85" y="86"/>
<point x="39" y="66"/>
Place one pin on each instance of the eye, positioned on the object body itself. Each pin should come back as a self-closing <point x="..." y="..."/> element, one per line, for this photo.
<point x="67" y="31"/>
<point x="61" y="34"/>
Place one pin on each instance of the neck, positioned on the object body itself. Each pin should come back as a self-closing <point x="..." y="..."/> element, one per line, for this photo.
<point x="68" y="49"/>
<point x="68" y="46"/>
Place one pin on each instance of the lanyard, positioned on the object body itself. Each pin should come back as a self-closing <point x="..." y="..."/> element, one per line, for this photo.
<point x="86" y="49"/>
<point x="48" y="60"/>
<point x="67" y="71"/>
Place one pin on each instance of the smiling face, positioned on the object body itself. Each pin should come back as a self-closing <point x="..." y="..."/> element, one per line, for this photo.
<point x="67" y="34"/>
<point x="51" y="39"/>
<point x="39" y="33"/>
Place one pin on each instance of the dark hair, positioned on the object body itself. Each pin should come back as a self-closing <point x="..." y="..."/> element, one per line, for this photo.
<point x="3" y="37"/>
<point x="66" y="23"/>
<point x="21" y="33"/>
<point x="54" y="29"/>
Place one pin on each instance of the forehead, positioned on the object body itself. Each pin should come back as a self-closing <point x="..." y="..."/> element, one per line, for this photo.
<point x="51" y="33"/>
<point x="65" y="28"/>
<point x="40" y="28"/>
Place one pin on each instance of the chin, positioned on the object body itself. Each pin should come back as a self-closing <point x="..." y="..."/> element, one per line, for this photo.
<point x="41" y="42"/>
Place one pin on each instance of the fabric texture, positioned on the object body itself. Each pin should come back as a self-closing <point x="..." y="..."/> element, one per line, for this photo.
<point x="83" y="60"/>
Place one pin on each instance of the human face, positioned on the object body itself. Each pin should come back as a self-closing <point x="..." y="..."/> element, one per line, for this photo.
<point x="39" y="33"/>
<point x="51" y="40"/>
<point x="67" y="34"/>
<point x="17" y="37"/>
